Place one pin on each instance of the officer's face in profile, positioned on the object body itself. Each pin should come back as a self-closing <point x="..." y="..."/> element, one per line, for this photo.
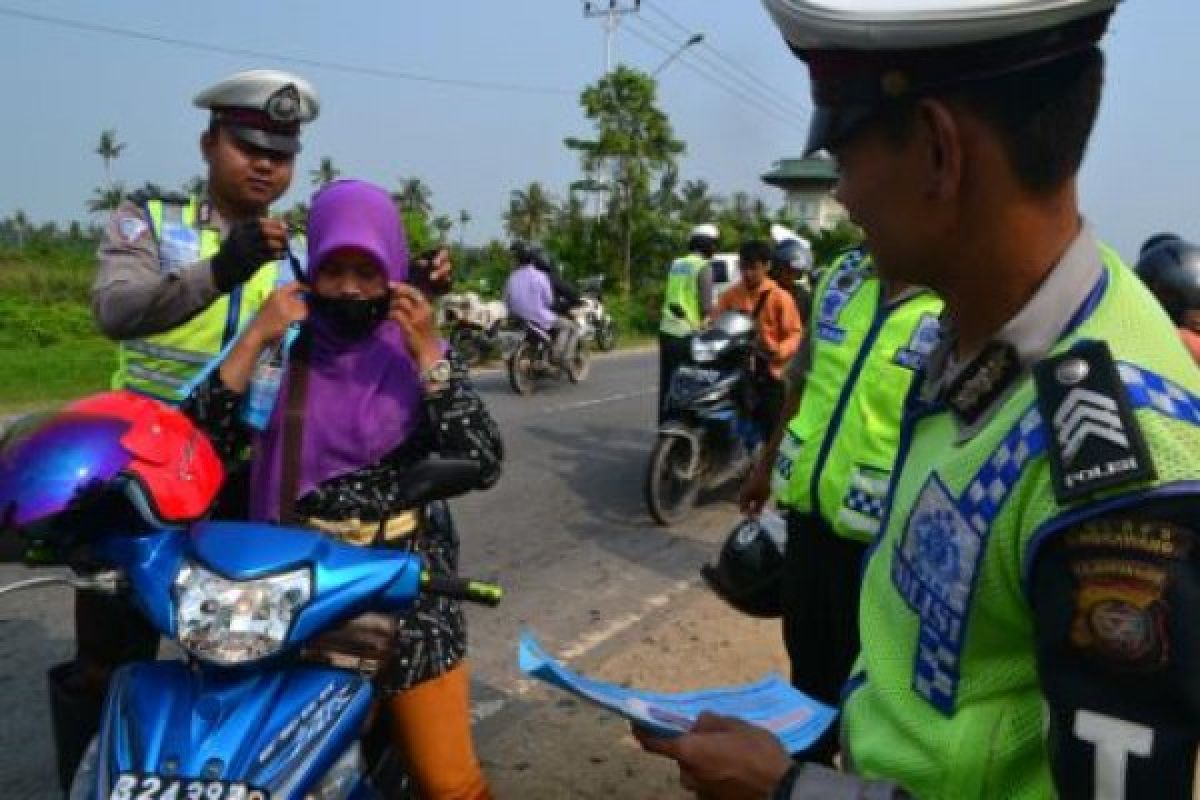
<point x="887" y="181"/>
<point x="243" y="176"/>
<point x="351" y="274"/>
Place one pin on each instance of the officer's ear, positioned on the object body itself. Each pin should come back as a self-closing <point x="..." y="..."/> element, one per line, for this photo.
<point x="942" y="143"/>
<point x="208" y="141"/>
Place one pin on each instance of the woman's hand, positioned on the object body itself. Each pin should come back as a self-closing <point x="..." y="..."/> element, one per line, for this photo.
<point x="282" y="308"/>
<point x="414" y="314"/>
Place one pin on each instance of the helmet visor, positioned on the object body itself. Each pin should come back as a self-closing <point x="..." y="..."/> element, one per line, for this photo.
<point x="48" y="461"/>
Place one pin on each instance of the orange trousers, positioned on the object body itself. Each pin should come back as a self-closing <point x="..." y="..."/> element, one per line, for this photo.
<point x="431" y="727"/>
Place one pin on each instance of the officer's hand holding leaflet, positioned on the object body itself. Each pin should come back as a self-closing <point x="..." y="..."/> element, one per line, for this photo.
<point x="250" y="244"/>
<point x="715" y="743"/>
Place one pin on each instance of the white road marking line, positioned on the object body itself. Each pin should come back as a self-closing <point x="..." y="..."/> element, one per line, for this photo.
<point x="612" y="398"/>
<point x="581" y="646"/>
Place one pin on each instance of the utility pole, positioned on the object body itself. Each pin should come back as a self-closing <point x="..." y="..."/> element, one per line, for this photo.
<point x="611" y="11"/>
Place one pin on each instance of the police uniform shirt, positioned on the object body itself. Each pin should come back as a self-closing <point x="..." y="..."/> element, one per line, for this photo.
<point x="976" y="384"/>
<point x="134" y="293"/>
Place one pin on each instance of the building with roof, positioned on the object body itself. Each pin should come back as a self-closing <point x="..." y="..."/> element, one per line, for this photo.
<point x="807" y="184"/>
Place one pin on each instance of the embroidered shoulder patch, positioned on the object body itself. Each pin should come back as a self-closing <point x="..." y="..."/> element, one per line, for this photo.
<point x="132" y="227"/>
<point x="1094" y="440"/>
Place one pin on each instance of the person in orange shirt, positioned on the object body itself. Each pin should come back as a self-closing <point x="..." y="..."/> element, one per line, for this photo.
<point x="779" y="327"/>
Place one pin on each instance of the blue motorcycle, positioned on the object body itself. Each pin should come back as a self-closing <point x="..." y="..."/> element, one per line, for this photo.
<point x="708" y="435"/>
<point x="242" y="716"/>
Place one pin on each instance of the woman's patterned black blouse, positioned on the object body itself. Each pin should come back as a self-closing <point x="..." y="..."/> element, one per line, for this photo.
<point x="454" y="424"/>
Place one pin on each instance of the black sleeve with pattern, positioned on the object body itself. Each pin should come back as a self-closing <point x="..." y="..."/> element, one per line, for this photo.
<point x="1115" y="602"/>
<point x="216" y="409"/>
<point x="462" y="426"/>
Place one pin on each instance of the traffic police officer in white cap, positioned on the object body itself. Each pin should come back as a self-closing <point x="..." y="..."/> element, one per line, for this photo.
<point x="177" y="278"/>
<point x="1029" y="608"/>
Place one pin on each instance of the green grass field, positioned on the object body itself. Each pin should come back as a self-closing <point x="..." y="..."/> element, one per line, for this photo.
<point x="50" y="351"/>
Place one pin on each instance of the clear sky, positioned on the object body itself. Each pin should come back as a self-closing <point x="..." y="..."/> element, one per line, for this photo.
<point x="472" y="145"/>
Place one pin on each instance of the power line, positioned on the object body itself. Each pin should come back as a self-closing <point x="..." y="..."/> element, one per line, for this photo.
<point x="335" y="66"/>
<point x="719" y="54"/>
<point x="717" y="81"/>
<point x="752" y="86"/>
<point x="776" y="109"/>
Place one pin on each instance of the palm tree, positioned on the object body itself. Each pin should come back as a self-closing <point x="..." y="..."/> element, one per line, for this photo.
<point x="109" y="149"/>
<point x="106" y="198"/>
<point x="530" y="212"/>
<point x="696" y="204"/>
<point x="325" y="172"/>
<point x="414" y="195"/>
<point x="464" y="217"/>
<point x="443" y="224"/>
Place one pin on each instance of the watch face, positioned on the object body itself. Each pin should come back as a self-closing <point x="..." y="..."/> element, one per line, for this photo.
<point x="440" y="372"/>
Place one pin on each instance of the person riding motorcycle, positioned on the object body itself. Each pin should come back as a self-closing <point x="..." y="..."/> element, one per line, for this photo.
<point x="1170" y="268"/>
<point x="531" y="295"/>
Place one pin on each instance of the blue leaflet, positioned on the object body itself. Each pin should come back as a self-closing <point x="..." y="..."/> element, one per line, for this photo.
<point x="771" y="703"/>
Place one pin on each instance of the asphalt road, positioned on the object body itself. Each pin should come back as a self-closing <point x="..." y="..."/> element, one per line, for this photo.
<point x="565" y="531"/>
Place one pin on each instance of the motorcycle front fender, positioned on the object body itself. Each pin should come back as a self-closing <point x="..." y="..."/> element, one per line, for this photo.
<point x="279" y="729"/>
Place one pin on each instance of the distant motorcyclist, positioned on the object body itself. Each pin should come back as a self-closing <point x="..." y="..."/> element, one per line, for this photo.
<point x="530" y="295"/>
<point x="1170" y="268"/>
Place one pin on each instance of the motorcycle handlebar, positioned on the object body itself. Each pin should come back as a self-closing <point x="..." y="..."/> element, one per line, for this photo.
<point x="481" y="592"/>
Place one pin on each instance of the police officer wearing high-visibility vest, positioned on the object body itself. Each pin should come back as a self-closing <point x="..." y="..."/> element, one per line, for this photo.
<point x="1028" y="613"/>
<point x="687" y="301"/>
<point x="827" y="465"/>
<point x="178" y="277"/>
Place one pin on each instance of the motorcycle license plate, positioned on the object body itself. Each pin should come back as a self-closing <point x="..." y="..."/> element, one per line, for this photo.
<point x="152" y="787"/>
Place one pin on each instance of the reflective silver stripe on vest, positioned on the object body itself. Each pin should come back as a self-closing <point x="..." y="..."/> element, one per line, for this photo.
<point x="141" y="373"/>
<point x="167" y="353"/>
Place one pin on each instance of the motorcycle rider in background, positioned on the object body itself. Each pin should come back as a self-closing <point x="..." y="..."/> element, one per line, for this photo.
<point x="530" y="296"/>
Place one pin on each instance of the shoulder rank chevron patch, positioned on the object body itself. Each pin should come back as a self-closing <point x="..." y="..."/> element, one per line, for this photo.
<point x="1094" y="440"/>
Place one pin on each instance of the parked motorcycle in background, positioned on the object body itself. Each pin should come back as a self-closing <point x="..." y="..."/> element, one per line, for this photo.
<point x="708" y="435"/>
<point x="474" y="326"/>
<point x="596" y="325"/>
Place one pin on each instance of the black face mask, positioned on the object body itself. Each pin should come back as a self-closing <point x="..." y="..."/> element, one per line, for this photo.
<point x="350" y="317"/>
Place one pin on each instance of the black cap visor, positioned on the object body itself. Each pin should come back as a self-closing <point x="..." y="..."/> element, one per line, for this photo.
<point x="831" y="126"/>
<point x="286" y="143"/>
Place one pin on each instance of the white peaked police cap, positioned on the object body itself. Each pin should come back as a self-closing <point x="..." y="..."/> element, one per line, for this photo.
<point x="862" y="54"/>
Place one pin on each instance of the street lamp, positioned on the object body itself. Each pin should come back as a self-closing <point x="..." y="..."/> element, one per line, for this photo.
<point x="695" y="39"/>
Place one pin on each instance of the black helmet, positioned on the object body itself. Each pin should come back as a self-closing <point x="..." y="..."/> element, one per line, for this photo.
<point x="520" y="251"/>
<point x="1156" y="240"/>
<point x="792" y="253"/>
<point x="749" y="571"/>
<point x="540" y="258"/>
<point x="1171" y="269"/>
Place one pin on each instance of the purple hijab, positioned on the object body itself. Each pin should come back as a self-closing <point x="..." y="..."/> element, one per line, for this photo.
<point x="363" y="395"/>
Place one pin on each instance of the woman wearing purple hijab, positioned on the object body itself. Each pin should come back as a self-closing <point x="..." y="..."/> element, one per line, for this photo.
<point x="368" y="390"/>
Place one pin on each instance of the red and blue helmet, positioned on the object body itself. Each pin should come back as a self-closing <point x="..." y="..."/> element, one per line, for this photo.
<point x="55" y="463"/>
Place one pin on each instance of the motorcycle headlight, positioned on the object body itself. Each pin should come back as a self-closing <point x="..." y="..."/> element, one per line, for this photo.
<point x="232" y="622"/>
<point x="704" y="351"/>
